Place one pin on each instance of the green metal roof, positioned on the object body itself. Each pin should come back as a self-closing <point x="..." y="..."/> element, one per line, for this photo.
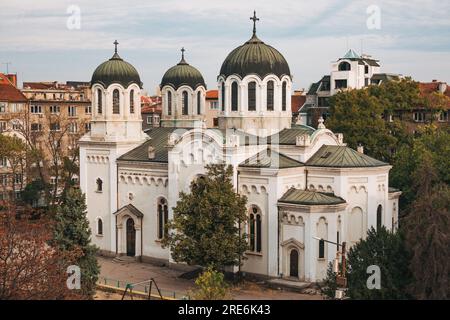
<point x="158" y="140"/>
<point x="255" y="57"/>
<point x="351" y="55"/>
<point x="183" y="74"/>
<point x="342" y="157"/>
<point x="306" y="197"/>
<point x="288" y="136"/>
<point x="270" y="159"/>
<point x="393" y="190"/>
<point x="116" y="70"/>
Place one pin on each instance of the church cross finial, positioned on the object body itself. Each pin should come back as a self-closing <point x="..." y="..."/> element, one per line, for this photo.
<point x="182" y="53"/>
<point x="254" y="18"/>
<point x="115" y="45"/>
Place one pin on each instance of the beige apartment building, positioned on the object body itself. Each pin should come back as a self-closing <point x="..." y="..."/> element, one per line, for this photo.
<point x="212" y="109"/>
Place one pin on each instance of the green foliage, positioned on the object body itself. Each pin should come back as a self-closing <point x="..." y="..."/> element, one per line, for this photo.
<point x="205" y="229"/>
<point x="383" y="249"/>
<point x="431" y="145"/>
<point x="210" y="285"/>
<point x="72" y="232"/>
<point x="387" y="251"/>
<point x="358" y="114"/>
<point x="427" y="229"/>
<point x="33" y="191"/>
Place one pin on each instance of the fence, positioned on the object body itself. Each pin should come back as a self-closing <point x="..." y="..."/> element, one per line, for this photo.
<point x="142" y="289"/>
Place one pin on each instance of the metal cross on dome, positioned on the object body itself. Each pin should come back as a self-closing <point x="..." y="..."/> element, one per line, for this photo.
<point x="254" y="18"/>
<point x="115" y="45"/>
<point x="182" y="53"/>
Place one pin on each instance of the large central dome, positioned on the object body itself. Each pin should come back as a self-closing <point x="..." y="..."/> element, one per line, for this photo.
<point x="255" y="57"/>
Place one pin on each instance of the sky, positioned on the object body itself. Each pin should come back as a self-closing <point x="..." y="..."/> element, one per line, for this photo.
<point x="60" y="40"/>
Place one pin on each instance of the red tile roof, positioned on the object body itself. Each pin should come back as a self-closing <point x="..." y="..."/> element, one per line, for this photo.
<point x="156" y="108"/>
<point x="8" y="92"/>
<point x="212" y="94"/>
<point x="427" y="88"/>
<point x="297" y="102"/>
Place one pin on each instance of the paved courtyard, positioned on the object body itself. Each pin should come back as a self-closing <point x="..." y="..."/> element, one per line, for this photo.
<point x="168" y="281"/>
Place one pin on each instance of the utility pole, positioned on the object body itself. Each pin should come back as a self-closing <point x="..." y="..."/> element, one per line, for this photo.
<point x="341" y="279"/>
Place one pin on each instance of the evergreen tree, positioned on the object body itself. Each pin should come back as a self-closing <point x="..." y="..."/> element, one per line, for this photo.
<point x="205" y="228"/>
<point x="72" y="232"/>
<point x="427" y="228"/>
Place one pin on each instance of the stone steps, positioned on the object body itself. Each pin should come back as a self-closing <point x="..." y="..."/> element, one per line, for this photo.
<point x="123" y="259"/>
<point x="290" y="285"/>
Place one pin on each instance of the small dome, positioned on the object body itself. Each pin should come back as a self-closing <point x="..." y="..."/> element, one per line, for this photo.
<point x="255" y="57"/>
<point x="116" y="70"/>
<point x="183" y="74"/>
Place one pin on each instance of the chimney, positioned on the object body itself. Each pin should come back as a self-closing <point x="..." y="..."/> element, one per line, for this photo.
<point x="442" y="87"/>
<point x="12" y="78"/>
<point x="151" y="152"/>
<point x="360" y="148"/>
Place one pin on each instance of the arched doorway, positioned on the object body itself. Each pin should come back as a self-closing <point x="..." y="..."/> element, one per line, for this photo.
<point x="131" y="238"/>
<point x="293" y="263"/>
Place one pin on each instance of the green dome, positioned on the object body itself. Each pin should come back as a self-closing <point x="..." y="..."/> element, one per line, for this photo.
<point x="255" y="57"/>
<point x="183" y="74"/>
<point x="116" y="70"/>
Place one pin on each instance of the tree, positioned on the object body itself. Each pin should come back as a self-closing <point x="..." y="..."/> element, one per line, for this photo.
<point x="431" y="145"/>
<point x="360" y="115"/>
<point x="427" y="228"/>
<point x="210" y="285"/>
<point x="30" y="268"/>
<point x="205" y="229"/>
<point x="72" y="232"/>
<point x="381" y="248"/>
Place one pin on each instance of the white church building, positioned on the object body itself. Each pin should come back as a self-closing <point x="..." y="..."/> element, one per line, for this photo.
<point x="301" y="183"/>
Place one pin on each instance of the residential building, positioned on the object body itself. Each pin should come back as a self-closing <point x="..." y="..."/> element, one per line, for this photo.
<point x="212" y="108"/>
<point x="151" y="109"/>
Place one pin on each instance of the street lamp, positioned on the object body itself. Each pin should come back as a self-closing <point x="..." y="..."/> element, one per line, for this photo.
<point x="341" y="279"/>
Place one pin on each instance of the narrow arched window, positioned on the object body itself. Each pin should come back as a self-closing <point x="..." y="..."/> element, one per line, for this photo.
<point x="184" y="103"/>
<point x="255" y="230"/>
<point x="132" y="101"/>
<point x="116" y="101"/>
<point x="99" y="185"/>
<point x="284" y="96"/>
<point x="99" y="101"/>
<point x="163" y="217"/>
<point x="223" y="96"/>
<point x="234" y="96"/>
<point x="99" y="227"/>
<point x="169" y="103"/>
<point x="379" y="217"/>
<point x="270" y="86"/>
<point x="199" y="103"/>
<point x="321" y="249"/>
<point x="252" y="96"/>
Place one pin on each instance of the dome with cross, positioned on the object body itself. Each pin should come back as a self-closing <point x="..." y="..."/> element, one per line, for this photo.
<point x="255" y="57"/>
<point x="116" y="70"/>
<point x="183" y="74"/>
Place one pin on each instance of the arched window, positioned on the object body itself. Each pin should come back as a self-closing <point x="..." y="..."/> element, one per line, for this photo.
<point x="163" y="217"/>
<point x="184" y="103"/>
<point x="99" y="185"/>
<point x="379" y="217"/>
<point x="270" y="95"/>
<point x="283" y="96"/>
<point x="252" y="96"/>
<point x="132" y="101"/>
<point x="99" y="226"/>
<point x="344" y="66"/>
<point x="322" y="233"/>
<point x="169" y="103"/>
<point x="255" y="230"/>
<point x="99" y="101"/>
<point x="116" y="101"/>
<point x="223" y="96"/>
<point x="199" y="103"/>
<point x="234" y="96"/>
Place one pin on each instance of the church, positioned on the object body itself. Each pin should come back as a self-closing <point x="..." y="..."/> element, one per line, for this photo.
<point x="304" y="186"/>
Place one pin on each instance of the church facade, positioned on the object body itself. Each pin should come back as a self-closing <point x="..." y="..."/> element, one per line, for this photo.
<point x="303" y="185"/>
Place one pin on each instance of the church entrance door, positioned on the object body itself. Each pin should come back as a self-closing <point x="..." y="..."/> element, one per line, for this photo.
<point x="293" y="263"/>
<point x="131" y="238"/>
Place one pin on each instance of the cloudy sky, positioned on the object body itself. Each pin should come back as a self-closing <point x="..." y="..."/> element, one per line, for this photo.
<point x="413" y="38"/>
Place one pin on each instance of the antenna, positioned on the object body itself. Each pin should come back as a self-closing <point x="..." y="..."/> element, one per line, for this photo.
<point x="7" y="66"/>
